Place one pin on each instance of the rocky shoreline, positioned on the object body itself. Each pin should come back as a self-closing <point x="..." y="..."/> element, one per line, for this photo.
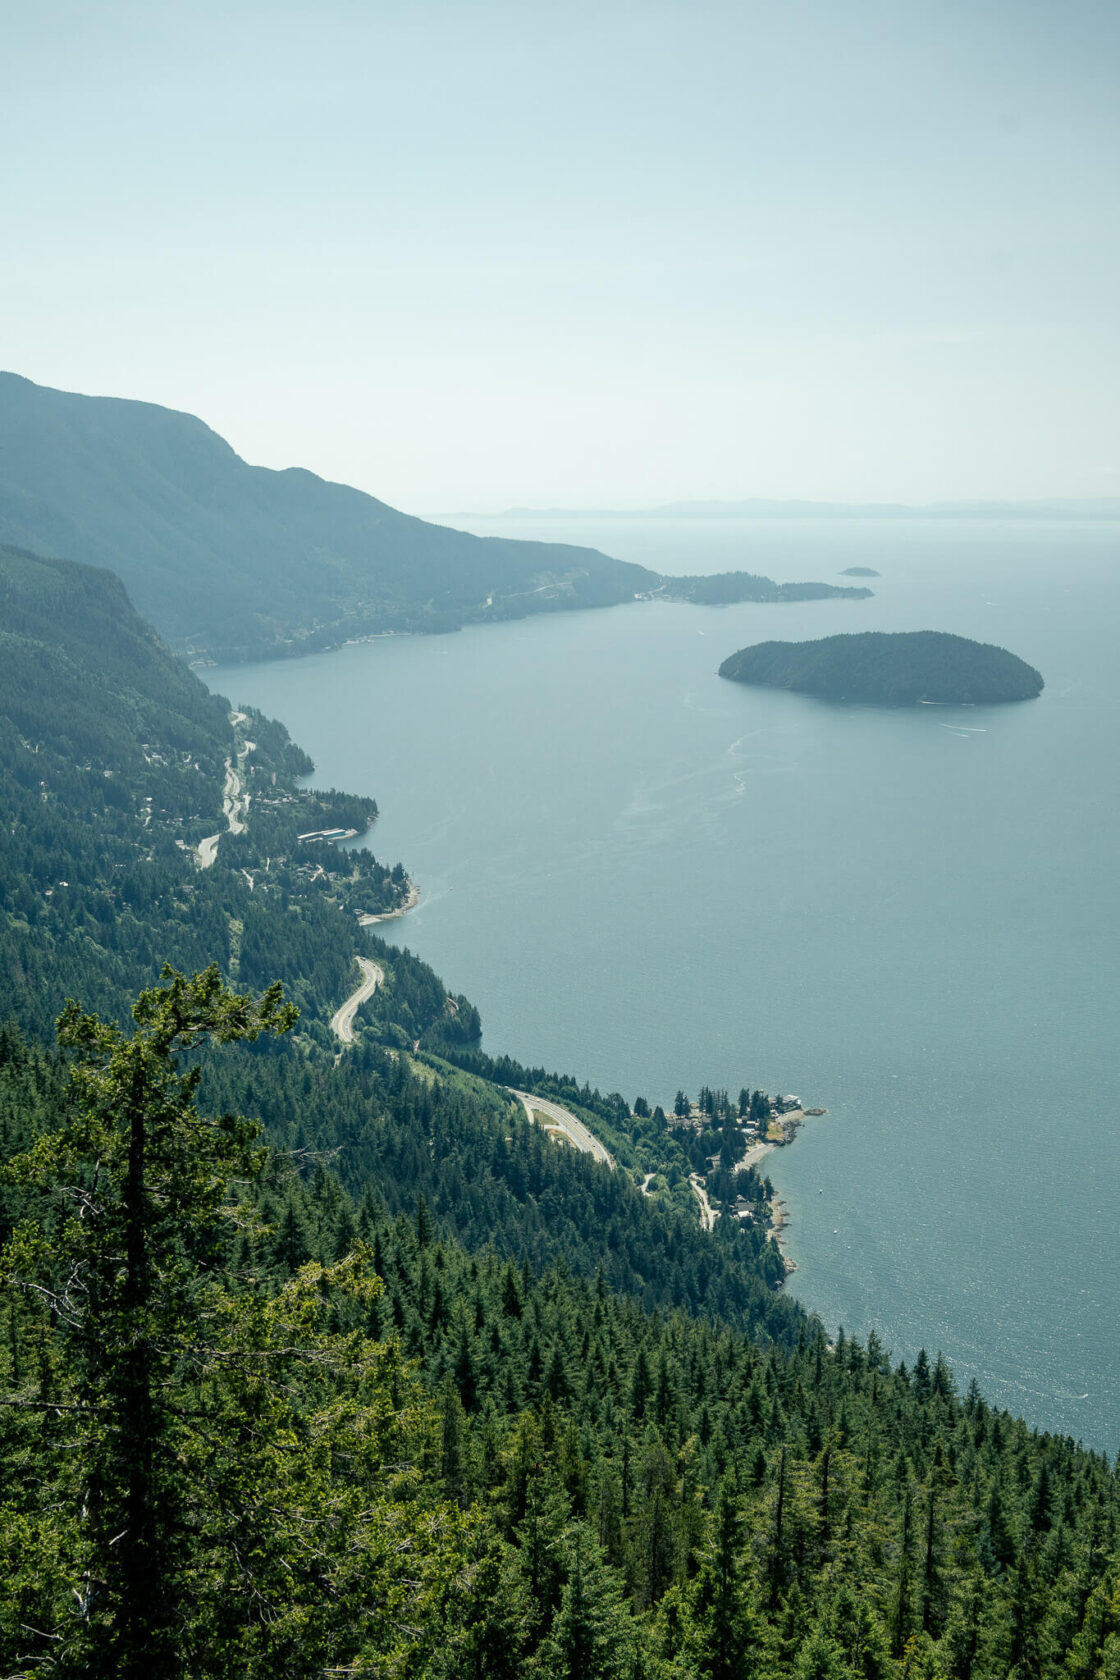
<point x="787" y="1125"/>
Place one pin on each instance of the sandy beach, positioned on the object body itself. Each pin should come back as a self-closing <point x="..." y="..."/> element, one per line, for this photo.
<point x="757" y="1152"/>
<point x="789" y="1123"/>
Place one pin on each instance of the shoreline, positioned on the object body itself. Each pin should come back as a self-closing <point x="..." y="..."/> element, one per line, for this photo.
<point x="790" y="1124"/>
<point x="412" y="899"/>
<point x="779" y="1219"/>
<point x="779" y="1212"/>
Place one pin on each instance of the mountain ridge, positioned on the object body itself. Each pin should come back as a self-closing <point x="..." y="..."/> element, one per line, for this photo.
<point x="232" y="562"/>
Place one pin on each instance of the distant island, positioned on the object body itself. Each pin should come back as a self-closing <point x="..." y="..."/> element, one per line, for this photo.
<point x="903" y="669"/>
<point x="859" y="571"/>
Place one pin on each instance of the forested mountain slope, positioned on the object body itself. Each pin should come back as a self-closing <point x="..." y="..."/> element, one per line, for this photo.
<point x="113" y="759"/>
<point x="557" y="1484"/>
<point x="231" y="561"/>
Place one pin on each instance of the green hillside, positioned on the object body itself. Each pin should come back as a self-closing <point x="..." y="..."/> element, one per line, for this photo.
<point x="113" y="760"/>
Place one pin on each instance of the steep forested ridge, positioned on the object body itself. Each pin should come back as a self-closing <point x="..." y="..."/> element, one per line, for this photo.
<point x="899" y="669"/>
<point x="415" y="1392"/>
<point x="231" y="561"/>
<point x="364" y="1449"/>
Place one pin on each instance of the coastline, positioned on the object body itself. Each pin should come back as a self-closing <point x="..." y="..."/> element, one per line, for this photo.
<point x="779" y="1219"/>
<point x="789" y="1125"/>
<point x="412" y="899"/>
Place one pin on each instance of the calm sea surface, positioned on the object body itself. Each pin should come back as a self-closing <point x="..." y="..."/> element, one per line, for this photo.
<point x="654" y="879"/>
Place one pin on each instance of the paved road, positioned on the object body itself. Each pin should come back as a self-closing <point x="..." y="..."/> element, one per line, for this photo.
<point x="235" y="805"/>
<point x="342" y="1021"/>
<point x="708" y="1214"/>
<point x="574" y="1130"/>
<point x="208" y="850"/>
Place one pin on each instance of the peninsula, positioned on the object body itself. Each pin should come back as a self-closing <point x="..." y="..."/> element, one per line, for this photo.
<point x="724" y="589"/>
<point x="908" y="668"/>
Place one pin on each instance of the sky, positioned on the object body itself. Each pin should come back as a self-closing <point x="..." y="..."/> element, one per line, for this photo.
<point x="478" y="255"/>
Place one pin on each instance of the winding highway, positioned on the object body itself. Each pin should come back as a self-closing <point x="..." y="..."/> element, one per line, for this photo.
<point x="235" y="806"/>
<point x="342" y="1021"/>
<point x="561" y="1120"/>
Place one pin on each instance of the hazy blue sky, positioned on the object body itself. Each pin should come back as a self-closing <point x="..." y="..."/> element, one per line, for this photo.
<point x="478" y="254"/>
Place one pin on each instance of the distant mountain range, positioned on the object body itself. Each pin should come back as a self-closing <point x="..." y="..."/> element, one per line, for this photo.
<point x="1055" y="507"/>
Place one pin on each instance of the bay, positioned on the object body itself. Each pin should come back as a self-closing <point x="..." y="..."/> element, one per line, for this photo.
<point x="652" y="879"/>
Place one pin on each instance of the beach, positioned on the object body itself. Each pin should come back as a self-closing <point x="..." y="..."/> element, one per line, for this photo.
<point x="412" y="899"/>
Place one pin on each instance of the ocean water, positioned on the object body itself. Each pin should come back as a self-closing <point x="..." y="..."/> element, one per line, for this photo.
<point x="652" y="878"/>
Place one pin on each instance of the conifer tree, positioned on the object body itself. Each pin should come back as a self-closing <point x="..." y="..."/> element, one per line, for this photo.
<point x="190" y="1519"/>
<point x="592" y="1635"/>
<point x="727" y="1633"/>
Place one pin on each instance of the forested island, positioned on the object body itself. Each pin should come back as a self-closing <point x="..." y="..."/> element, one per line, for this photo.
<point x="378" y="1379"/>
<point x="905" y="668"/>
<point x="859" y="571"/>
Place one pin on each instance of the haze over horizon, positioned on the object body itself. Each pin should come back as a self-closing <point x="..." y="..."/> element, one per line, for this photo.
<point x="482" y="256"/>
